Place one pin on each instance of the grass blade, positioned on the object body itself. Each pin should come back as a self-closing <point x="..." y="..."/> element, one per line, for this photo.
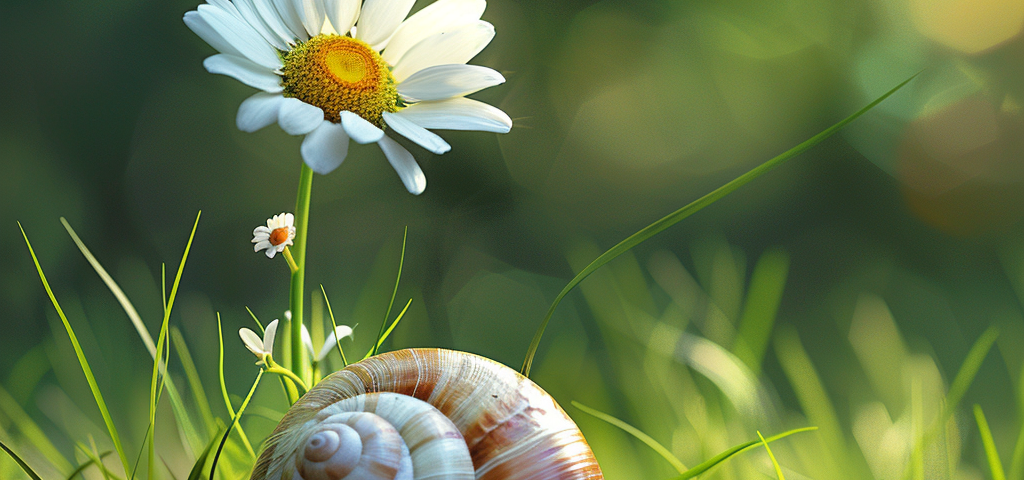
<point x="401" y="262"/>
<point x="775" y="463"/>
<point x="767" y="284"/>
<point x="721" y="457"/>
<point x="185" y="425"/>
<point x="810" y="392"/>
<point x="380" y="340"/>
<point x="694" y="207"/>
<point x="158" y="369"/>
<point x="994" y="464"/>
<point x="81" y="358"/>
<point x="197" y="469"/>
<point x="1017" y="462"/>
<point x="81" y="468"/>
<point x="234" y="422"/>
<point x="21" y="463"/>
<point x="963" y="379"/>
<point x="93" y="454"/>
<point x="31" y="431"/>
<point x="192" y="375"/>
<point x="344" y="361"/>
<point x="643" y="437"/>
<point x="224" y="388"/>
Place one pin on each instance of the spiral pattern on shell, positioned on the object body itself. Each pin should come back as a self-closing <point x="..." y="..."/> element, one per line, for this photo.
<point x="426" y="413"/>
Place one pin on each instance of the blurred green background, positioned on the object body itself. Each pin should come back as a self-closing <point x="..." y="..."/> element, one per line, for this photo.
<point x="889" y="248"/>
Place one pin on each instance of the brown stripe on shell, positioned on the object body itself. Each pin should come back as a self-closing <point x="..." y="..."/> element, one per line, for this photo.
<point x="514" y="430"/>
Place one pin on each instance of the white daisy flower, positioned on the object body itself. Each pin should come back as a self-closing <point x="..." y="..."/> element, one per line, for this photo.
<point x="276" y="236"/>
<point x="262" y="348"/>
<point x="335" y="70"/>
<point x="341" y="331"/>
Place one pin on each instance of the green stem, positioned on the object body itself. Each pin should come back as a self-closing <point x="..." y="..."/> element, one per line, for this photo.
<point x="275" y="368"/>
<point x="297" y="362"/>
<point x="291" y="261"/>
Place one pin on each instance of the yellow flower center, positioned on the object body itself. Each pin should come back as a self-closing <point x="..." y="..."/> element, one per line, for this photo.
<point x="338" y="73"/>
<point x="279" y="236"/>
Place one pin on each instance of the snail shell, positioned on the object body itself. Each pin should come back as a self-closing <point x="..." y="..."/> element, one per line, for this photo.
<point x="426" y="414"/>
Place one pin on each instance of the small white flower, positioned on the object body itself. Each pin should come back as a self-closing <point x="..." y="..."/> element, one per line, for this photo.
<point x="278" y="234"/>
<point x="262" y="348"/>
<point x="341" y="331"/>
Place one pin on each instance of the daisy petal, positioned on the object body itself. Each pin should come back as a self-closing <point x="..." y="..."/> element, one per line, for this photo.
<point x="241" y="36"/>
<point x="226" y="6"/>
<point x="289" y="219"/>
<point x="458" y="45"/>
<point x="258" y="111"/>
<point x="200" y="27"/>
<point x="273" y="20"/>
<point x="437" y="17"/>
<point x="268" y="337"/>
<point x="271" y="252"/>
<point x="244" y="71"/>
<point x="379" y="19"/>
<point x="261" y="229"/>
<point x="299" y="118"/>
<point x="425" y="138"/>
<point x="251" y="340"/>
<point x="446" y="81"/>
<point x="262" y="237"/>
<point x="404" y="163"/>
<point x="360" y="130"/>
<point x="311" y="12"/>
<point x="458" y="114"/>
<point x="342" y="14"/>
<point x="248" y="10"/>
<point x="325" y="148"/>
<point x="290" y="17"/>
<point x="262" y="245"/>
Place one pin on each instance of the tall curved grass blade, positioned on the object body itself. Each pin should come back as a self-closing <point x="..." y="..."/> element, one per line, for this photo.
<point x="636" y="432"/>
<point x="163" y="284"/>
<point x="197" y="470"/>
<point x="81" y="358"/>
<point x="21" y="463"/>
<point x="963" y="379"/>
<point x="158" y="369"/>
<point x="721" y="457"/>
<point x="775" y="463"/>
<point x="995" y="465"/>
<point x="694" y="207"/>
<point x="380" y="340"/>
<point x="81" y="468"/>
<point x="224" y="388"/>
<point x="334" y="324"/>
<point x="387" y="315"/>
<point x="177" y="405"/>
<point x="234" y="422"/>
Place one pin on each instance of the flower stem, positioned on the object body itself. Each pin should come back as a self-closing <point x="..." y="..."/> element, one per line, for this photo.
<point x="298" y="354"/>
<point x="275" y="368"/>
<point x="291" y="261"/>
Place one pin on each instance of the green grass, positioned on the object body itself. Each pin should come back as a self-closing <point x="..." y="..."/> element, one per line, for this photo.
<point x="86" y="369"/>
<point x="693" y="207"/>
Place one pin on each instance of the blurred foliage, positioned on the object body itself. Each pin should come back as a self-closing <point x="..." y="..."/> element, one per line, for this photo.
<point x="843" y="290"/>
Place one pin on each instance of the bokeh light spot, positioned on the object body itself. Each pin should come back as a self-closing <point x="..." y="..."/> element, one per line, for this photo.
<point x="970" y="26"/>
